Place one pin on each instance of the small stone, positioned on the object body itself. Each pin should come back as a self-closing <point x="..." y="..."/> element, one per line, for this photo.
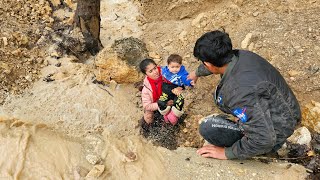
<point x="154" y="55"/>
<point x="113" y="84"/>
<point x="258" y="45"/>
<point x="41" y="40"/>
<point x="293" y="73"/>
<point x="197" y="22"/>
<point x="58" y="64"/>
<point x="254" y="174"/>
<point x="70" y="3"/>
<point x="72" y="59"/>
<point x="48" y="29"/>
<point x="130" y="156"/>
<point x="55" y="2"/>
<point x="311" y="153"/>
<point x="81" y="171"/>
<point x="141" y="19"/>
<point x="39" y="60"/>
<point x="250" y="48"/>
<point x="300" y="50"/>
<point x="182" y="36"/>
<point x="96" y="171"/>
<point x="29" y="78"/>
<point x="92" y="159"/>
<point x="59" y="76"/>
<point x="5" y="41"/>
<point x="24" y="40"/>
<point x="51" y="20"/>
<point x="316" y="110"/>
<point x="55" y="54"/>
<point x="16" y="52"/>
<point x="164" y="44"/>
<point x="246" y="41"/>
<point x="317" y="104"/>
<point x="255" y="14"/>
<point x="46" y="62"/>
<point x="185" y="130"/>
<point x="204" y="24"/>
<point x="6" y="67"/>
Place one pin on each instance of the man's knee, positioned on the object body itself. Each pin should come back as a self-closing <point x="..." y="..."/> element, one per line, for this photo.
<point x="219" y="131"/>
<point x="203" y="128"/>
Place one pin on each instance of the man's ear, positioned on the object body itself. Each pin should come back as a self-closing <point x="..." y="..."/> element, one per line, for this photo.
<point x="207" y="63"/>
<point x="211" y="67"/>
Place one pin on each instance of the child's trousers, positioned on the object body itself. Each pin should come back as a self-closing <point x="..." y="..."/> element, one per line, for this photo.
<point x="168" y="95"/>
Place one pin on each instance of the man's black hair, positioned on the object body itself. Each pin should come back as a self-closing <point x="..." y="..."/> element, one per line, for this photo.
<point x="214" y="47"/>
<point x="144" y="63"/>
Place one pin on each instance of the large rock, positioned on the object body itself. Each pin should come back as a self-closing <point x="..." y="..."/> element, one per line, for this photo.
<point x="311" y="116"/>
<point x="120" y="62"/>
<point x="301" y="136"/>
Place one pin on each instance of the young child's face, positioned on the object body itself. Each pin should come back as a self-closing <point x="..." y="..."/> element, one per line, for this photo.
<point x="174" y="67"/>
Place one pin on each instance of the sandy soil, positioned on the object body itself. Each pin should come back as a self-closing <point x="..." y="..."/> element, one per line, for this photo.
<point x="78" y="129"/>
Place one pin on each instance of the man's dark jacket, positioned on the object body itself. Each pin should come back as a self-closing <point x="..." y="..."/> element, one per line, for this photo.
<point x="255" y="92"/>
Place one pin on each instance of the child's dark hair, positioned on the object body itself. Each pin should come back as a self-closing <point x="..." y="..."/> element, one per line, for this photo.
<point x="174" y="58"/>
<point x="144" y="63"/>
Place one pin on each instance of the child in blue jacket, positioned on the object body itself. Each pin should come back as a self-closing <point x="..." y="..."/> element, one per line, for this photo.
<point x="174" y="76"/>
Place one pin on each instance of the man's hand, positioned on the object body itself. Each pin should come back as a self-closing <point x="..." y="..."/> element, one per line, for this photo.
<point x="177" y="91"/>
<point x="192" y="76"/>
<point x="211" y="151"/>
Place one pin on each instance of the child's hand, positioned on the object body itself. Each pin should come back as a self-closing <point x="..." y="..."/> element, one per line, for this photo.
<point x="170" y="103"/>
<point x="192" y="76"/>
<point x="177" y="91"/>
<point x="192" y="83"/>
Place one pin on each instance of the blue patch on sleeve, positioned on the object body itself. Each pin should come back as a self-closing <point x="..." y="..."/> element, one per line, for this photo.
<point x="241" y="114"/>
<point x="219" y="100"/>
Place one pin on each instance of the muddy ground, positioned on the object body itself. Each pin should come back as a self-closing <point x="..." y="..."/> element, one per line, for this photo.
<point x="47" y="92"/>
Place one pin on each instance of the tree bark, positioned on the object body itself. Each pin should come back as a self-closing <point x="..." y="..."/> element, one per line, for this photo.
<point x="87" y="18"/>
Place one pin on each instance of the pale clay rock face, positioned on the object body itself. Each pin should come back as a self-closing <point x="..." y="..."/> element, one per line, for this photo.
<point x="301" y="136"/>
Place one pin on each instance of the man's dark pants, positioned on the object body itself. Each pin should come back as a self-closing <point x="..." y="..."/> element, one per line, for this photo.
<point x="220" y="131"/>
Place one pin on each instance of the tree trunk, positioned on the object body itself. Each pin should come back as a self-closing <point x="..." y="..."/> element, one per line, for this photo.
<point x="87" y="18"/>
